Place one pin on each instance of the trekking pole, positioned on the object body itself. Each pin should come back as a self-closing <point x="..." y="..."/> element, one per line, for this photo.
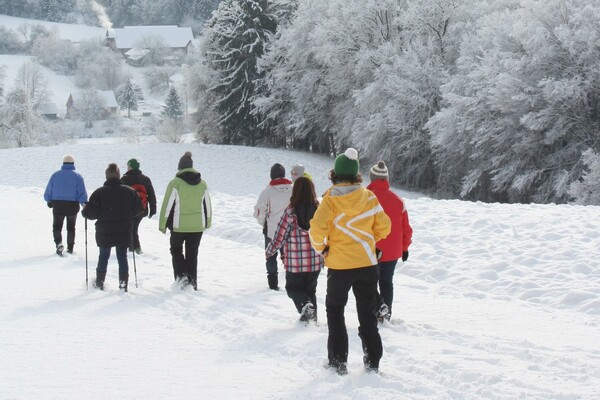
<point x="134" y="268"/>
<point x="86" y="257"/>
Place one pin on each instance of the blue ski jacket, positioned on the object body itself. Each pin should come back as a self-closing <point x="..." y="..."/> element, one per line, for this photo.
<point x="66" y="185"/>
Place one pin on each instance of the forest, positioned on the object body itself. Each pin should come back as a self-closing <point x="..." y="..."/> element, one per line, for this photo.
<point x="485" y="100"/>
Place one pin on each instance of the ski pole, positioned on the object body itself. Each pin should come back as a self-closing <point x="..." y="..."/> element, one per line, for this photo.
<point x="86" y="257"/>
<point x="134" y="268"/>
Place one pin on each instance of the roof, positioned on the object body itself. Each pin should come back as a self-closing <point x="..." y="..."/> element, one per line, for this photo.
<point x="107" y="97"/>
<point x="129" y="36"/>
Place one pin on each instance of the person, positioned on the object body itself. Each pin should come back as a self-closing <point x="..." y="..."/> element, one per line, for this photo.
<point x="396" y="244"/>
<point x="64" y="194"/>
<point x="268" y="210"/>
<point x="345" y="228"/>
<point x="114" y="207"/>
<point x="187" y="212"/>
<point x="297" y="171"/>
<point x="143" y="186"/>
<point x="302" y="264"/>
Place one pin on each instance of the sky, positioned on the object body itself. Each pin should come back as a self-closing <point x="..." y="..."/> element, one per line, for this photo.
<point x="496" y="301"/>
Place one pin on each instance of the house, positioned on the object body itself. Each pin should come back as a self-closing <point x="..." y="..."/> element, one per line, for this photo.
<point x="105" y="102"/>
<point x="48" y="110"/>
<point x="177" y="39"/>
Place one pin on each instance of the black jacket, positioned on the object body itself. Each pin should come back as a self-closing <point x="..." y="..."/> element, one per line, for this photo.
<point x="134" y="176"/>
<point x="114" y="206"/>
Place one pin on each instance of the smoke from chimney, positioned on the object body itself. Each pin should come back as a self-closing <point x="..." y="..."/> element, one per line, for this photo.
<point x="101" y="14"/>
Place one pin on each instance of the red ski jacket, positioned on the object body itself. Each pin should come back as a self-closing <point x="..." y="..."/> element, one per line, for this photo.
<point x="400" y="237"/>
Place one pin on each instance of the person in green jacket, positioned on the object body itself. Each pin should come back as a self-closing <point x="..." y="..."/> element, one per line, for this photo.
<point x="186" y="211"/>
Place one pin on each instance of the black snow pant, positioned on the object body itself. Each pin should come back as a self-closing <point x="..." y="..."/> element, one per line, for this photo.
<point x="57" y="226"/>
<point x="363" y="282"/>
<point x="301" y="287"/>
<point x="185" y="265"/>
<point x="136" y="237"/>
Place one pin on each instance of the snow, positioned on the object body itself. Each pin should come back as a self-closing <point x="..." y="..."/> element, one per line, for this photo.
<point x="73" y="32"/>
<point x="495" y="302"/>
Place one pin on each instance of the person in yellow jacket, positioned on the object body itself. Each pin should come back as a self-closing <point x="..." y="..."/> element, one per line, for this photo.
<point x="345" y="228"/>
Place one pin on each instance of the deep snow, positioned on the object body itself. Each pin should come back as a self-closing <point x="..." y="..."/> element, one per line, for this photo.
<point x="495" y="302"/>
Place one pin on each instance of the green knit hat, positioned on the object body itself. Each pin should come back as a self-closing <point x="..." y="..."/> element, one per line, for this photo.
<point x="346" y="164"/>
<point x="133" y="164"/>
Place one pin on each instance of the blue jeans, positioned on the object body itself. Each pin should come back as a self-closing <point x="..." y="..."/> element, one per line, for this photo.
<point x="121" y="258"/>
<point x="386" y="282"/>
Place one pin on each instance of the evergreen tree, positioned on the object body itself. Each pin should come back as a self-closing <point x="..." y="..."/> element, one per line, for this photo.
<point x="236" y="37"/>
<point x="173" y="108"/>
<point x="128" y="96"/>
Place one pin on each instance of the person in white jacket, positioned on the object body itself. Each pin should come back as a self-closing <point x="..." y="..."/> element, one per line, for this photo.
<point x="268" y="210"/>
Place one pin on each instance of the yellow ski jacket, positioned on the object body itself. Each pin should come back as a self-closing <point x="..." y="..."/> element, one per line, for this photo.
<point x="346" y="226"/>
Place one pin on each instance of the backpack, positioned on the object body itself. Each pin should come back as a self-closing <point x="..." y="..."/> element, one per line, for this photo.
<point x="141" y="192"/>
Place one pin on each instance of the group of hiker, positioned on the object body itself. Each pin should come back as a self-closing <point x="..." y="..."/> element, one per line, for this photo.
<point x="359" y="233"/>
<point x="120" y="205"/>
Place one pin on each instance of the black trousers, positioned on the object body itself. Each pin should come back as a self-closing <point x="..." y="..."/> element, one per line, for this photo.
<point x="57" y="226"/>
<point x="185" y="265"/>
<point x="136" y="237"/>
<point x="301" y="287"/>
<point x="363" y="282"/>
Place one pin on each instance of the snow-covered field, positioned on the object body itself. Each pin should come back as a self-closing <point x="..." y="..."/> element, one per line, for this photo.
<point x="495" y="301"/>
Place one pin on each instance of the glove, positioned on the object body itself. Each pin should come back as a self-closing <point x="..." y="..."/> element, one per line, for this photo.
<point x="404" y="256"/>
<point x="325" y="252"/>
<point x="378" y="253"/>
<point x="49" y="203"/>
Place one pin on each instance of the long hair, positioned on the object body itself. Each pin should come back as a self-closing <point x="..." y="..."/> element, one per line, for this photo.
<point x="303" y="193"/>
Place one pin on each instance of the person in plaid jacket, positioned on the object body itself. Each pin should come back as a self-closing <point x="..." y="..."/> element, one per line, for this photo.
<point x="301" y="262"/>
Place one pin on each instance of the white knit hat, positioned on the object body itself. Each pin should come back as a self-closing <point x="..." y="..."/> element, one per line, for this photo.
<point x="68" y="159"/>
<point x="379" y="171"/>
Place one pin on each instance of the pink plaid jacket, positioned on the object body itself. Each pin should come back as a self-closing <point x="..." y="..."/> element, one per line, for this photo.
<point x="298" y="254"/>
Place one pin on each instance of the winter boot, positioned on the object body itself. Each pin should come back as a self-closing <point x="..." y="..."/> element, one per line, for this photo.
<point x="308" y="313"/>
<point x="341" y="368"/>
<point x="123" y="279"/>
<point x="273" y="280"/>
<point x="99" y="284"/>
<point x="59" y="249"/>
<point x="194" y="284"/>
<point x="383" y="313"/>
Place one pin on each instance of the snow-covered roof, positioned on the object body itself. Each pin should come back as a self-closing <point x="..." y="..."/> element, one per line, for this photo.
<point x="47" y="109"/>
<point x="136" y="53"/>
<point x="129" y="36"/>
<point x="107" y="97"/>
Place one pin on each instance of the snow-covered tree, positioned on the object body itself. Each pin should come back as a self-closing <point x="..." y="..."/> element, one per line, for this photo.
<point x="128" y="96"/>
<point x="587" y="189"/>
<point x="235" y="38"/>
<point x="87" y="107"/>
<point x="523" y="104"/>
<point x="173" y="108"/>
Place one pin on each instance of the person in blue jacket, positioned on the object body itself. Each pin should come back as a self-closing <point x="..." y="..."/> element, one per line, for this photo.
<point x="64" y="194"/>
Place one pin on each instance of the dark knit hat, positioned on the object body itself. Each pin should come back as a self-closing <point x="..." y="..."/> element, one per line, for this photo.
<point x="346" y="164"/>
<point x="68" y="159"/>
<point x="186" y="161"/>
<point x="133" y="163"/>
<point x="379" y="171"/>
<point x="277" y="171"/>
<point x="112" y="171"/>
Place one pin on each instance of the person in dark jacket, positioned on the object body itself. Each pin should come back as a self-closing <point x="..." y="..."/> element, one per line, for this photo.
<point x="143" y="186"/>
<point x="114" y="206"/>
<point x="64" y="193"/>
<point x="187" y="212"/>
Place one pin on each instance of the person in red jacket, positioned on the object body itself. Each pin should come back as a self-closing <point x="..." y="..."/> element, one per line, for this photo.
<point x="395" y="245"/>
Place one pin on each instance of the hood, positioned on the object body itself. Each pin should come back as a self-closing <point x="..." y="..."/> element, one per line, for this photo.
<point x="190" y="176"/>
<point x="281" y="184"/>
<point x="379" y="184"/>
<point x="352" y="199"/>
